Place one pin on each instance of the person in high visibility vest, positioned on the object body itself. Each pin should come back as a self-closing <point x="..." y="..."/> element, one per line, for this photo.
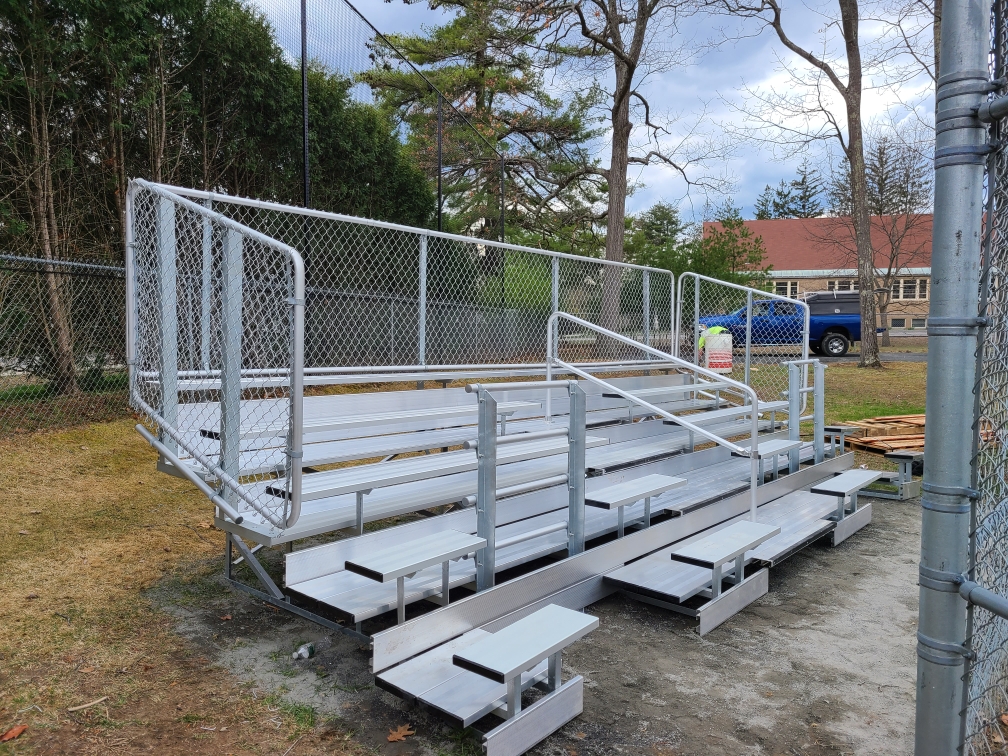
<point x="712" y="331"/>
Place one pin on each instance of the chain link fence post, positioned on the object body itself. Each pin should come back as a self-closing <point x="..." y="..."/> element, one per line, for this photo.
<point x="952" y="331"/>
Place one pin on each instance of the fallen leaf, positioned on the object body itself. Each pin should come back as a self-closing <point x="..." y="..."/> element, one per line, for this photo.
<point x="400" y="733"/>
<point x="167" y="550"/>
<point x="996" y="739"/>
<point x="32" y="596"/>
<point x="226" y="618"/>
<point x="22" y="532"/>
<point x="14" y="732"/>
<point x="768" y="694"/>
<point x="1004" y="719"/>
<point x="36" y="511"/>
<point x="204" y="525"/>
<point x="86" y="670"/>
<point x="581" y="736"/>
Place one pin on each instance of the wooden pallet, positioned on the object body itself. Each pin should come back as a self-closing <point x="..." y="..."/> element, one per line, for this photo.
<point x="889" y="433"/>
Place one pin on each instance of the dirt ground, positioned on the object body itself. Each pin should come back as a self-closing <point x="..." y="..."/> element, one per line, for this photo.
<point x="823" y="664"/>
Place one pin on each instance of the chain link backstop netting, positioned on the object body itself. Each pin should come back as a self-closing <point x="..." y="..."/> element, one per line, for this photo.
<point x="62" y="342"/>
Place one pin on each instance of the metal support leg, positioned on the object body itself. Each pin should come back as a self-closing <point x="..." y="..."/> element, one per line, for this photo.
<point x="576" y="470"/>
<point x="776" y="465"/>
<point x="258" y="569"/>
<point x="486" y="492"/>
<point x="794" y="414"/>
<point x="400" y="589"/>
<point x="818" y="410"/>
<point x="841" y="507"/>
<point x="444" y="582"/>
<point x="555" y="671"/>
<point x="647" y="512"/>
<point x="716" y="582"/>
<point x="619" y="527"/>
<point x="853" y="502"/>
<point x="360" y="510"/>
<point x="739" y="568"/>
<point x="691" y="442"/>
<point x="513" y="696"/>
<point x="227" y="555"/>
<point x="762" y="472"/>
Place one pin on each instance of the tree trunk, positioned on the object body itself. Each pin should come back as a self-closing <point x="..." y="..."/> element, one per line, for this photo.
<point x="884" y="323"/>
<point x="58" y="321"/>
<point x="859" y="186"/>
<point x="616" y="212"/>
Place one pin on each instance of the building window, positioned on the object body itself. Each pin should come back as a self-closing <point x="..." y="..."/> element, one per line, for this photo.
<point x="842" y="285"/>
<point x="899" y="322"/>
<point x="786" y="288"/>
<point x="909" y="288"/>
<point x="918" y="322"/>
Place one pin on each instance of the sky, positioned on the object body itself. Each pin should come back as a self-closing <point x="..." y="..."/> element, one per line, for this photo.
<point x="732" y="60"/>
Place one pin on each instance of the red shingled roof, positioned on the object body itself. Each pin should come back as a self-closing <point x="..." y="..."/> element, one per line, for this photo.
<point x="828" y="243"/>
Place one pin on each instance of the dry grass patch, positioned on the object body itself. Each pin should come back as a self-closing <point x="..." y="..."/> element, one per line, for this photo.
<point x="91" y="525"/>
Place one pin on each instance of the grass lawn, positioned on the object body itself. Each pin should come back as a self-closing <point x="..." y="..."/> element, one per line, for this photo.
<point x="91" y="525"/>
<point x="853" y="393"/>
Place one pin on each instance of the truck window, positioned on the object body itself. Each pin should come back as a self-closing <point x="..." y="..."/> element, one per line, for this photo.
<point x="760" y="309"/>
<point x="785" y="308"/>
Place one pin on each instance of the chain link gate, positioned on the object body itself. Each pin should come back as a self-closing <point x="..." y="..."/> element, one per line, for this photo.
<point x="985" y="720"/>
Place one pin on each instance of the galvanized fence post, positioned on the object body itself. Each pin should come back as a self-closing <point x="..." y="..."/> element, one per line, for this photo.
<point x="646" y="284"/>
<point x="486" y="489"/>
<point x="748" y="336"/>
<point x="422" y="314"/>
<point x="696" y="320"/>
<point x="556" y="284"/>
<point x="576" y="470"/>
<point x="952" y="337"/>
<point x="206" y="283"/>
<point x="231" y="363"/>
<point x="168" y="299"/>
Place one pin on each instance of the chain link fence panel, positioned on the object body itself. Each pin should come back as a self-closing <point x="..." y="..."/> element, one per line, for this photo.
<point x="384" y="296"/>
<point x="62" y="343"/>
<point x="759" y="330"/>
<point x="215" y="354"/>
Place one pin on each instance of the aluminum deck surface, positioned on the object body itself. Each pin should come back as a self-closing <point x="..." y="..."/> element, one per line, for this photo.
<point x="801" y="516"/>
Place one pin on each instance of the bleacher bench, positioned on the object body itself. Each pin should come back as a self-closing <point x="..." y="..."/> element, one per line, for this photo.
<point x="845" y="487"/>
<point x="483" y="673"/>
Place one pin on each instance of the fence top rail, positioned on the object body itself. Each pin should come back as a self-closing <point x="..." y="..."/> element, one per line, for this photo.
<point x="118" y="269"/>
<point x="293" y="209"/>
<point x="741" y="287"/>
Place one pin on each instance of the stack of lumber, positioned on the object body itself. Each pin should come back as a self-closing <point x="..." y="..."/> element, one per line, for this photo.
<point x="889" y="433"/>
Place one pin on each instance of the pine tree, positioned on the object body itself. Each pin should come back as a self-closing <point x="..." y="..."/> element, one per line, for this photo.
<point x="783" y="202"/>
<point x="806" y="190"/>
<point x="764" y="204"/>
<point x="480" y="61"/>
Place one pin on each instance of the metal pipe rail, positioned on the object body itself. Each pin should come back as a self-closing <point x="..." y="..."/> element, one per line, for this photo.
<point x="515" y="438"/>
<point x="193" y="478"/>
<point x="220" y="474"/>
<point x="748" y="392"/>
<point x="984" y="598"/>
<point x="537" y="533"/>
<point x="520" y="488"/>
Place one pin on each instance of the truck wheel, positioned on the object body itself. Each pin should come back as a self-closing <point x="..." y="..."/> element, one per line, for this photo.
<point x="815" y="347"/>
<point x="835" y="345"/>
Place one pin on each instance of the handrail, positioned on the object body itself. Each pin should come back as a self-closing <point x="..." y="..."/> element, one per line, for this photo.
<point x="296" y="369"/>
<point x="551" y="347"/>
<point x="193" y="478"/>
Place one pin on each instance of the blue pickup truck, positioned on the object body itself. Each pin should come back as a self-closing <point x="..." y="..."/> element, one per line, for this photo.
<point x="834" y="322"/>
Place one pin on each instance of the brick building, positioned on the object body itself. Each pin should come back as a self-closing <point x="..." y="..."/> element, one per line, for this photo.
<point x="819" y="254"/>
